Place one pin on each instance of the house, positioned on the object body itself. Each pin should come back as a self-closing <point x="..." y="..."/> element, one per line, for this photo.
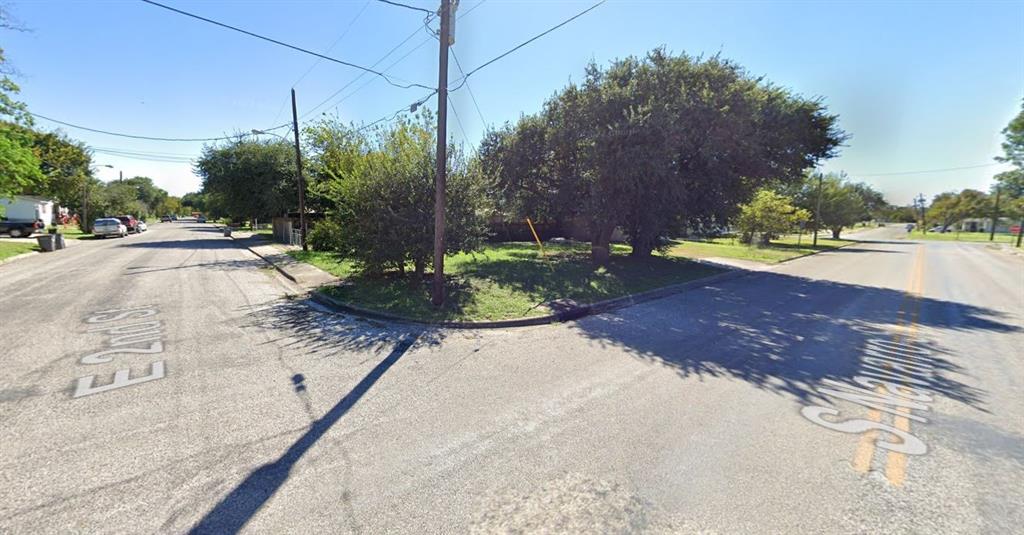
<point x="984" y="224"/>
<point x="27" y="207"/>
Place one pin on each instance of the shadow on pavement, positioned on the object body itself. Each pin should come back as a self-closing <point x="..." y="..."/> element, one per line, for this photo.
<point x="239" y="506"/>
<point x="786" y="334"/>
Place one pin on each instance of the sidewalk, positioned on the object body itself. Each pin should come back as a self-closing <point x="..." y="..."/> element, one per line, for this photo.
<point x="276" y="254"/>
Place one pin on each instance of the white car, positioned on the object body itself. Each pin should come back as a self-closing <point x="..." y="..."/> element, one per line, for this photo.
<point x="109" y="226"/>
<point x="141" y="226"/>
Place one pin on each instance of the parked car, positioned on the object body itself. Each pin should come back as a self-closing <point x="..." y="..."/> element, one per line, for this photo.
<point x="130" y="222"/>
<point x="937" y="228"/>
<point x="174" y="218"/>
<point x="109" y="226"/>
<point x="142" y="226"/>
<point x="20" y="228"/>
<point x="165" y="219"/>
<point x="201" y="219"/>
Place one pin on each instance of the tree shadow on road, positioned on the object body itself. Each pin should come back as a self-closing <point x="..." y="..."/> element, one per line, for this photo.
<point x="786" y="334"/>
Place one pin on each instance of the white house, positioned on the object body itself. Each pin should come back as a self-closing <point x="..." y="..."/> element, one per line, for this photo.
<point x="28" y="207"/>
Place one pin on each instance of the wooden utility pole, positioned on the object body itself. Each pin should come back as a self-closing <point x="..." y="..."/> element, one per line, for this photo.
<point x="995" y="216"/>
<point x="440" y="181"/>
<point x="919" y="202"/>
<point x="84" y="223"/>
<point x="817" y="212"/>
<point x="299" y="178"/>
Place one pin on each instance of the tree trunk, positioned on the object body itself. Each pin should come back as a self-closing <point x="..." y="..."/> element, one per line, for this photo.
<point x="835" y="233"/>
<point x="600" y="242"/>
<point x="416" y="279"/>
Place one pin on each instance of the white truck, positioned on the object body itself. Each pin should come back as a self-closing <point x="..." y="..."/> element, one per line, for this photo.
<point x="24" y="214"/>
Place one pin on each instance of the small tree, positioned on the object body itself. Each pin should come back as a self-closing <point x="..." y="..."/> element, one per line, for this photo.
<point x="768" y="215"/>
<point x="381" y="190"/>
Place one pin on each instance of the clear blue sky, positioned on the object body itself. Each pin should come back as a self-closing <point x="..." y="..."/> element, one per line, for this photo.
<point x="919" y="85"/>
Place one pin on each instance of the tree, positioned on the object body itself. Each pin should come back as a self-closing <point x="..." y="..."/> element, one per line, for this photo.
<point x="19" y="165"/>
<point x="253" y="179"/>
<point x="841" y="203"/>
<point x="946" y="209"/>
<point x="150" y="196"/>
<point x="768" y="215"/>
<point x="656" y="144"/>
<point x="381" y="188"/>
<point x="1013" y="146"/>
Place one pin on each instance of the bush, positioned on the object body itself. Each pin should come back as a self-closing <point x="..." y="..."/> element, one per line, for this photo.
<point x="382" y="187"/>
<point x="325" y="236"/>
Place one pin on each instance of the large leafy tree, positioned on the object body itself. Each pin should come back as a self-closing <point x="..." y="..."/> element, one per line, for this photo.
<point x="655" y="144"/>
<point x="1013" y="144"/>
<point x="19" y="164"/>
<point x="253" y="179"/>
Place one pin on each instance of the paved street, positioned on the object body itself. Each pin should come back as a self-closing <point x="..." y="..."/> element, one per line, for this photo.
<point x="170" y="382"/>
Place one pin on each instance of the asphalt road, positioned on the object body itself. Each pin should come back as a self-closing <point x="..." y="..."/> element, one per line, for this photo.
<point x="731" y="408"/>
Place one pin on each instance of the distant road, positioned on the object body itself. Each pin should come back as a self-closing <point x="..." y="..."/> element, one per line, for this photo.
<point x="876" y="388"/>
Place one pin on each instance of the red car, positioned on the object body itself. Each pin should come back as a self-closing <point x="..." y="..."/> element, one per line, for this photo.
<point x="130" y="222"/>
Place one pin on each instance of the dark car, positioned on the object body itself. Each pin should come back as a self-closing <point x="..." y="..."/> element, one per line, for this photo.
<point x="20" y="228"/>
<point x="130" y="222"/>
<point x="165" y="219"/>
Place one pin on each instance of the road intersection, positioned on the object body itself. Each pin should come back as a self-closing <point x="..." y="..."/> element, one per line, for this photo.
<point x="268" y="413"/>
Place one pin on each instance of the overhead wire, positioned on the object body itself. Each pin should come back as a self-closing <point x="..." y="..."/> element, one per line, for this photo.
<point x="288" y="45"/>
<point x="407" y="6"/>
<point x="943" y="170"/>
<point x="466" y="76"/>
<point x="397" y="61"/>
<point x="150" y="138"/>
<point x="469" y="88"/>
<point x="318" y="60"/>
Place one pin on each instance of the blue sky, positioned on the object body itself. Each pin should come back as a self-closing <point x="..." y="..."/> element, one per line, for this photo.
<point x="919" y="85"/>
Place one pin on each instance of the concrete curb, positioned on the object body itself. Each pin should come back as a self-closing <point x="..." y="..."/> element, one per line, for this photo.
<point x="279" y="269"/>
<point x="17" y="256"/>
<point x="569" y="314"/>
<point x="780" y="262"/>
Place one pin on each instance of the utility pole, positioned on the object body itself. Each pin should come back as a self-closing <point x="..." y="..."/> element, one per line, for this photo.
<point x="298" y="170"/>
<point x="1020" y="231"/>
<point x="440" y="181"/>
<point x="919" y="202"/>
<point x="817" y="212"/>
<point x="995" y="216"/>
<point x="120" y="175"/>
<point x="84" y="224"/>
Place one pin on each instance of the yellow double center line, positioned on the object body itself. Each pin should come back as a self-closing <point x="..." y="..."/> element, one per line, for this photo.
<point x="896" y="463"/>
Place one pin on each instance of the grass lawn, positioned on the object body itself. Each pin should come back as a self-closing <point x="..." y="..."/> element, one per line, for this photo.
<point x="72" y="232"/>
<point x="9" y="249"/>
<point x="509" y="280"/>
<point x="964" y="236"/>
<point x="779" y="250"/>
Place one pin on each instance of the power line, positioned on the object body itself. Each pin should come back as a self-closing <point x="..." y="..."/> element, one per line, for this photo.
<point x="397" y="61"/>
<point x="318" y="60"/>
<point x="407" y="6"/>
<point x="457" y="120"/>
<point x="335" y="43"/>
<point x="286" y="45"/>
<point x="943" y="170"/>
<point x="354" y="80"/>
<point x="524" y="43"/>
<point x="150" y="138"/>
<point x="469" y="88"/>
